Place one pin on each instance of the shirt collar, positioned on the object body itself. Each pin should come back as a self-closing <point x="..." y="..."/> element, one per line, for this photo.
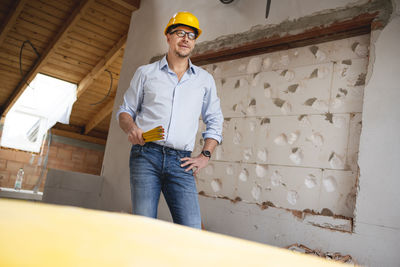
<point x="164" y="64"/>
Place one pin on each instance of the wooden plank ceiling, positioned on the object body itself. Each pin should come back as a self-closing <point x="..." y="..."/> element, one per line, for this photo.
<point x="80" y="41"/>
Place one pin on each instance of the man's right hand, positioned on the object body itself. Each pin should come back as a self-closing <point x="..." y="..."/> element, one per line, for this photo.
<point x="135" y="136"/>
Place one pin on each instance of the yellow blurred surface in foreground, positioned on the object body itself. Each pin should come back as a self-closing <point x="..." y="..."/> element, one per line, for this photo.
<point x="37" y="234"/>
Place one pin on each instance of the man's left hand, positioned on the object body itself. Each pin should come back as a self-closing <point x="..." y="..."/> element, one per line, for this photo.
<point x="195" y="164"/>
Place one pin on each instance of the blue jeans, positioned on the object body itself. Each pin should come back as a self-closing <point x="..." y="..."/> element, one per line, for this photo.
<point x="155" y="168"/>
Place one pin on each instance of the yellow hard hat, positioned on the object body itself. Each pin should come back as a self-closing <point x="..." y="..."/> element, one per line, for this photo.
<point x="184" y="18"/>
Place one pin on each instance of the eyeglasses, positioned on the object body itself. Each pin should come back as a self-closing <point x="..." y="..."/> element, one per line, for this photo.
<point x="182" y="33"/>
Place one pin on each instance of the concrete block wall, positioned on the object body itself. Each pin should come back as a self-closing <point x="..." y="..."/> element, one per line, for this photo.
<point x="72" y="188"/>
<point x="292" y="128"/>
<point x="62" y="156"/>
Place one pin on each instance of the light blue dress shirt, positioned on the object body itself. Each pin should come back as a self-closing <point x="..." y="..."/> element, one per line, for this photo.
<point x="155" y="97"/>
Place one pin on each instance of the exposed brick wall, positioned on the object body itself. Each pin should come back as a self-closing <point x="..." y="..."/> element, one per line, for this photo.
<point x="61" y="156"/>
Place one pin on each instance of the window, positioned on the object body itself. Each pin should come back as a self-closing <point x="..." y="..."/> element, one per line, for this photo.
<point x="46" y="101"/>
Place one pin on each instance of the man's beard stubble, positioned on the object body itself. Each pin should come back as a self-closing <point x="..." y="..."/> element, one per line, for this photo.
<point x="182" y="55"/>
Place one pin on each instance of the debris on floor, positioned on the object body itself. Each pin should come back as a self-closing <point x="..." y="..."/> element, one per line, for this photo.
<point x="327" y="255"/>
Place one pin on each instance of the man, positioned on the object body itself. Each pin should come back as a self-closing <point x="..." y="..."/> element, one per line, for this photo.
<point x="172" y="93"/>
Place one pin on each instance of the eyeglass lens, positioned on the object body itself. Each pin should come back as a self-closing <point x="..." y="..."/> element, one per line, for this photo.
<point x="182" y="33"/>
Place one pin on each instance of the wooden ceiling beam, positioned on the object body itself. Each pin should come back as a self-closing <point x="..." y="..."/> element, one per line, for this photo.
<point x="103" y="113"/>
<point x="50" y="50"/>
<point x="77" y="136"/>
<point x="106" y="61"/>
<point x="128" y="4"/>
<point x="9" y="22"/>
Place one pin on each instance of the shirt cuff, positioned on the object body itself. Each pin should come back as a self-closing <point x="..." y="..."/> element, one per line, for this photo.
<point x="216" y="137"/>
<point x="124" y="110"/>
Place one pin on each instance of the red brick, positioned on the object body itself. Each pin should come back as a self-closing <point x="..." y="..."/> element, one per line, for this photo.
<point x="7" y="154"/>
<point x="11" y="181"/>
<point x="13" y="166"/>
<point x="29" y="169"/>
<point x="64" y="154"/>
<point x="92" y="170"/>
<point x="92" y="159"/>
<point x="3" y="164"/>
<point x="78" y="156"/>
<point x="4" y="175"/>
<point x="38" y="170"/>
<point x="53" y="152"/>
<point x="79" y="166"/>
<point x="66" y="165"/>
<point x="21" y="156"/>
<point x="31" y="179"/>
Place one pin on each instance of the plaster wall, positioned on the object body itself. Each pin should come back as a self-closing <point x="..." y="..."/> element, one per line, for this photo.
<point x="377" y="219"/>
<point x="292" y="128"/>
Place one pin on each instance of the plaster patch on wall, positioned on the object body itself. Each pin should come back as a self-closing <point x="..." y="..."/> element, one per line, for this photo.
<point x="316" y="139"/>
<point x="244" y="174"/>
<point x="336" y="161"/>
<point x="261" y="170"/>
<point x="256" y="192"/>
<point x="284" y="60"/>
<point x="360" y="49"/>
<point x="320" y="55"/>
<point x="329" y="183"/>
<point x="267" y="62"/>
<point x="304" y="121"/>
<point x="229" y="170"/>
<point x="254" y="65"/>
<point x="276" y="179"/>
<point x="289" y="75"/>
<point x="281" y="140"/>
<point x="251" y="109"/>
<point x="247" y="153"/>
<point x="320" y="105"/>
<point x="216" y="185"/>
<point x="292" y="197"/>
<point x="296" y="156"/>
<point x="286" y="107"/>
<point x="310" y="181"/>
<point x="255" y="80"/>
<point x="252" y="125"/>
<point x="262" y="154"/>
<point x="338" y="121"/>
<point x="292" y="137"/>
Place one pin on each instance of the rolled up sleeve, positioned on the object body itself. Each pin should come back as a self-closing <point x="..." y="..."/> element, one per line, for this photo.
<point x="133" y="95"/>
<point x="211" y="113"/>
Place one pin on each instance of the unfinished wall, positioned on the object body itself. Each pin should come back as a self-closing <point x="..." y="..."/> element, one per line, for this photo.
<point x="292" y="128"/>
<point x="377" y="218"/>
<point x="65" y="154"/>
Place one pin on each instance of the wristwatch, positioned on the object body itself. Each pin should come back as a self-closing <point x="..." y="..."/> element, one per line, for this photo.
<point x="206" y="153"/>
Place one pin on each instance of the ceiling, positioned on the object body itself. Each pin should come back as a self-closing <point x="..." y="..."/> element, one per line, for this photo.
<point x="80" y="41"/>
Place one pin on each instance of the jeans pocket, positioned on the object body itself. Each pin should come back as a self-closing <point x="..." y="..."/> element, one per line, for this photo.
<point x="136" y="150"/>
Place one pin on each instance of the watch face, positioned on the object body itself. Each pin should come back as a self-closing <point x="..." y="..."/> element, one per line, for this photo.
<point x="206" y="153"/>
